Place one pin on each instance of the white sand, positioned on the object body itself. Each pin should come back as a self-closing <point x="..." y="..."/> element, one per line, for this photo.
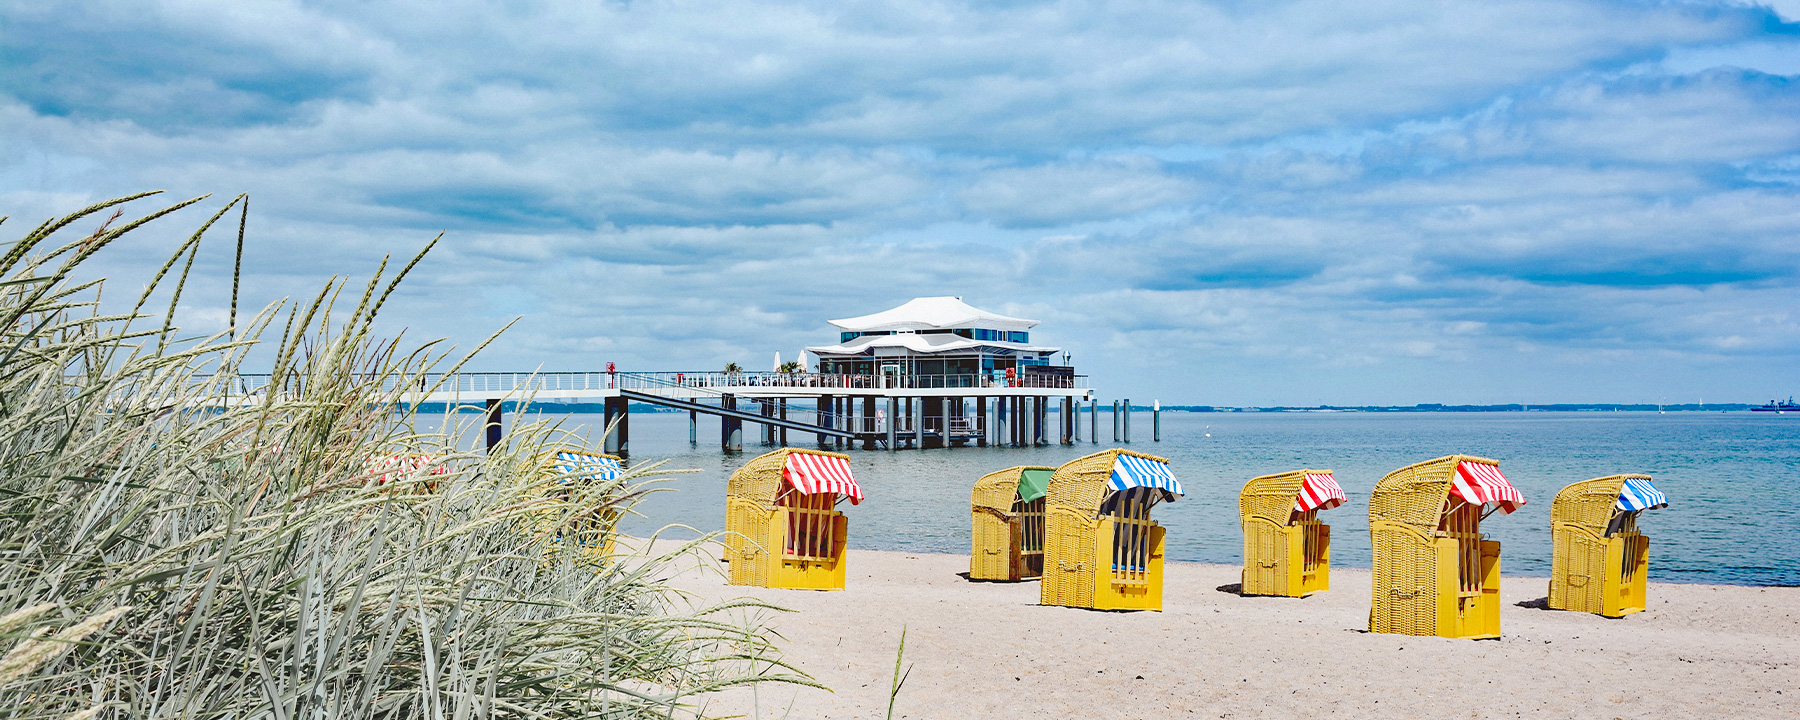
<point x="988" y="650"/>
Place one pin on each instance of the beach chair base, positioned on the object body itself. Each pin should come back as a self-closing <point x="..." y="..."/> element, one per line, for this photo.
<point x="1417" y="585"/>
<point x="1605" y="576"/>
<point x="1276" y="562"/>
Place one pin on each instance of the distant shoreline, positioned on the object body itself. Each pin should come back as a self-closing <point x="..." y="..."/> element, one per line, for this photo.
<point x="1437" y="407"/>
<point x="596" y="408"/>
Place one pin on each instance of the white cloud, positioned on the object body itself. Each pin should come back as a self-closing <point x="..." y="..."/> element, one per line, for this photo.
<point x="1290" y="202"/>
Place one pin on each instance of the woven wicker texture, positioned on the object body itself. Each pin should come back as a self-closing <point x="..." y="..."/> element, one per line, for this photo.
<point x="1598" y="557"/>
<point x="1074" y="533"/>
<point x="1419" y="567"/>
<point x="1414" y="495"/>
<point x="754" y="529"/>
<point x="994" y="538"/>
<point x="1271" y="497"/>
<point x="1589" y="504"/>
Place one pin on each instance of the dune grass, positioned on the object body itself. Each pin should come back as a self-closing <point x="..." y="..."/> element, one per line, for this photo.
<point x="171" y="547"/>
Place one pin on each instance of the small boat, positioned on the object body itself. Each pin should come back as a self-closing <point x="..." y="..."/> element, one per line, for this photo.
<point x="1778" y="406"/>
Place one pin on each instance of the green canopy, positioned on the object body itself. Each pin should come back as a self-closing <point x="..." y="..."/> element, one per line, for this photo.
<point x="1034" y="483"/>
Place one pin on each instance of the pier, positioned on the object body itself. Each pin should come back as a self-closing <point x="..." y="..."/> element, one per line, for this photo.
<point x="838" y="411"/>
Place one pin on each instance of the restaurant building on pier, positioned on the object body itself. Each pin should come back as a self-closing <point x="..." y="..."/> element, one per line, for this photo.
<point x="942" y="342"/>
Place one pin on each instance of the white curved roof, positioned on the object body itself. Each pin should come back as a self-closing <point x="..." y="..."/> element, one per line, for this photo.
<point x="924" y="344"/>
<point x="933" y="313"/>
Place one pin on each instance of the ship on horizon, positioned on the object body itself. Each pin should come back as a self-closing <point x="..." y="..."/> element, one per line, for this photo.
<point x="1778" y="406"/>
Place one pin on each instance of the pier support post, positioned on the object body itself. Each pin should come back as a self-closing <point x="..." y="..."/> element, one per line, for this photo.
<point x="1115" y="421"/>
<point x="845" y="405"/>
<point x="493" y="423"/>
<point x="1127" y="408"/>
<point x="866" y="427"/>
<point x="918" y="423"/>
<point x="731" y="430"/>
<point x="618" y="440"/>
<point x="893" y="414"/>
<point x="1040" y="421"/>
<point x="1062" y="421"/>
<point x="1156" y="421"/>
<point x="944" y="421"/>
<point x="823" y="418"/>
<point x="1000" y="436"/>
<point x="766" y="409"/>
<point x="693" y="427"/>
<point x="981" y="422"/>
<point x="1021" y="422"/>
<point x="782" y="403"/>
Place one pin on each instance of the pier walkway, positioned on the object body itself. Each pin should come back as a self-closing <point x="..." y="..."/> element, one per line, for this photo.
<point x="891" y="411"/>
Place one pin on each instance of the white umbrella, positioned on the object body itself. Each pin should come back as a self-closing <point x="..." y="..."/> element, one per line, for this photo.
<point x="777" y="361"/>
<point x="801" y="358"/>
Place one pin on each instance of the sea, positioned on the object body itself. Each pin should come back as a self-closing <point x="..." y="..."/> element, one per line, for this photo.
<point x="1732" y="478"/>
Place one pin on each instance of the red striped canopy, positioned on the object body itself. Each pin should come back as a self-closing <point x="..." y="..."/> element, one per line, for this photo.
<point x="1481" y="483"/>
<point x="811" y="473"/>
<point x="1319" y="492"/>
<point x="393" y="468"/>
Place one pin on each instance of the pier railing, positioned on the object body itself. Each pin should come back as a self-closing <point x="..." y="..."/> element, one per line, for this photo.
<point x="508" y="382"/>
<point x="835" y="380"/>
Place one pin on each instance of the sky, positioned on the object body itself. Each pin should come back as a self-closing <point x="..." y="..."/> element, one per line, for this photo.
<point x="1225" y="203"/>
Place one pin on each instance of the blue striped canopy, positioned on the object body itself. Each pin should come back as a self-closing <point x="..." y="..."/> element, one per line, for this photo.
<point x="586" y="466"/>
<point x="1639" y="494"/>
<point x="1131" y="471"/>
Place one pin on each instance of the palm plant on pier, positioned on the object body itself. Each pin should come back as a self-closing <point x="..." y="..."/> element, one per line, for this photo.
<point x="173" y="546"/>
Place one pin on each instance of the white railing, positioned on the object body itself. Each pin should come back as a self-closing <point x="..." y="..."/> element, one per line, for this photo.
<point x="712" y="383"/>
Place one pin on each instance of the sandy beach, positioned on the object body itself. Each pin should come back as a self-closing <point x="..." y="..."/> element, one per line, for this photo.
<point x="988" y="650"/>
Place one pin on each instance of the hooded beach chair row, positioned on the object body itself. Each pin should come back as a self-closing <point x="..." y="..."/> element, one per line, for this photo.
<point x="1086" y="530"/>
<point x="1435" y="572"/>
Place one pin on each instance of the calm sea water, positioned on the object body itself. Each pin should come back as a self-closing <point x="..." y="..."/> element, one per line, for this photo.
<point x="1731" y="479"/>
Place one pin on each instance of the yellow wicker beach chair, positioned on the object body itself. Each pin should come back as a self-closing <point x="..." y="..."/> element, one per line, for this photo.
<point x="593" y="534"/>
<point x="1007" y="542"/>
<point x="1287" y="551"/>
<point x="1101" y="549"/>
<point x="782" y="528"/>
<point x="1600" y="559"/>
<point x="1434" y="574"/>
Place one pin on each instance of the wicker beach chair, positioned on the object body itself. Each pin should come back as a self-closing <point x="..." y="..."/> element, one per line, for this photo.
<point x="592" y="534"/>
<point x="1007" y="538"/>
<point x="388" y="471"/>
<point x="1434" y="574"/>
<point x="1600" y="560"/>
<point x="782" y="528"/>
<point x="1287" y="551"/>
<point x="1101" y="549"/>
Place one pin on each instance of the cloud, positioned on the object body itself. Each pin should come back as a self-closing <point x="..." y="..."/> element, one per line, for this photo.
<point x="1206" y="202"/>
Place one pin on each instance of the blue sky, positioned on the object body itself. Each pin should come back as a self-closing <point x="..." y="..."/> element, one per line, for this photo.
<point x="1216" y="203"/>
